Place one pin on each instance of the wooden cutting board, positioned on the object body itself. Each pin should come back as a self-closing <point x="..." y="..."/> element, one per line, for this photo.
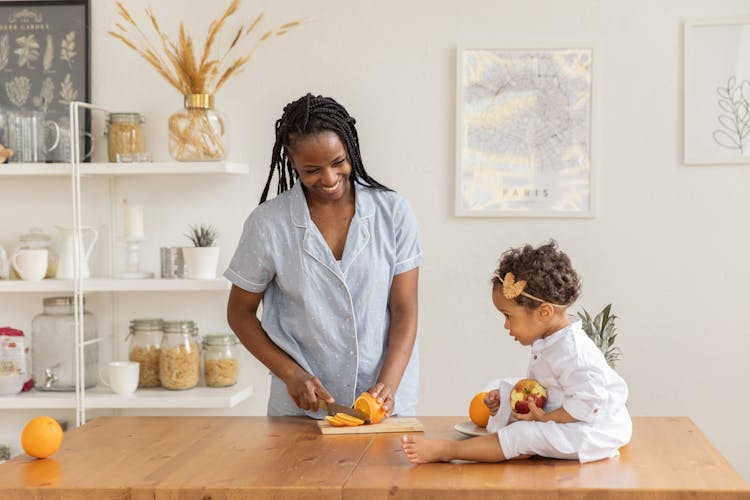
<point x="393" y="424"/>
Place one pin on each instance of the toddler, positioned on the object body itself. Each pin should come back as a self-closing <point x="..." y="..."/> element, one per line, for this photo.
<point x="585" y="417"/>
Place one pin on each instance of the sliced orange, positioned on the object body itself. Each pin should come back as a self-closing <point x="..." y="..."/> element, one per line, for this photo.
<point x="335" y="421"/>
<point x="351" y="419"/>
<point x="370" y="407"/>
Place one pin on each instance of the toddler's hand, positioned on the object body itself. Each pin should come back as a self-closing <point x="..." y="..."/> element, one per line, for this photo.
<point x="535" y="413"/>
<point x="492" y="400"/>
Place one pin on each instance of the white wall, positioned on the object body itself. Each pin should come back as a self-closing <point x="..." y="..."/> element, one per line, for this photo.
<point x="667" y="246"/>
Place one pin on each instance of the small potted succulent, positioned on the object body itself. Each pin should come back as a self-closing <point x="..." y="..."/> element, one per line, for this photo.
<point x="202" y="259"/>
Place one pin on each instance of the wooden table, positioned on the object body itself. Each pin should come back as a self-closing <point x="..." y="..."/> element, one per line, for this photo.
<point x="286" y="458"/>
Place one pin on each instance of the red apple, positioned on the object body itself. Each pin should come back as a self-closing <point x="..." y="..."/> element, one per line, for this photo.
<point x="525" y="390"/>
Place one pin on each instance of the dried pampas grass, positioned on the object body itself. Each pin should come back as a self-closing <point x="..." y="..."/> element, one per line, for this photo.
<point x="177" y="61"/>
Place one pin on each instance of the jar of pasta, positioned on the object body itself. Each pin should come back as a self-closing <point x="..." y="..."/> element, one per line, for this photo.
<point x="179" y="355"/>
<point x="124" y="135"/>
<point x="220" y="365"/>
<point x="145" y="341"/>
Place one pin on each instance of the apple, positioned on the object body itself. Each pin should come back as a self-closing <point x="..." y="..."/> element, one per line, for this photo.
<point x="525" y="390"/>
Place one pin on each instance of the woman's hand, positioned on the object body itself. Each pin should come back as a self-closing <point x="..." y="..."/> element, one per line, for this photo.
<point x="535" y="413"/>
<point x="305" y="389"/>
<point x="384" y="395"/>
<point x="492" y="400"/>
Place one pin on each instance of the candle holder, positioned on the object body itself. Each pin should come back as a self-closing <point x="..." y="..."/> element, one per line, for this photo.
<point x="133" y="260"/>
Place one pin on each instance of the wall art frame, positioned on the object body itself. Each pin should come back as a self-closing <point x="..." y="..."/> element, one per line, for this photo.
<point x="524" y="132"/>
<point x="717" y="92"/>
<point x="45" y="54"/>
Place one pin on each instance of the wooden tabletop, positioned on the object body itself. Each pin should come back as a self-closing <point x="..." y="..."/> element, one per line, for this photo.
<point x="287" y="457"/>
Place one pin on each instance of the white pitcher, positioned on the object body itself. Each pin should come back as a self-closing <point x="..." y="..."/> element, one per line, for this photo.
<point x="66" y="258"/>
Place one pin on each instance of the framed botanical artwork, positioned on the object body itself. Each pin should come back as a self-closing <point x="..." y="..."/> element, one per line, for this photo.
<point x="44" y="56"/>
<point x="717" y="92"/>
<point x="523" y="131"/>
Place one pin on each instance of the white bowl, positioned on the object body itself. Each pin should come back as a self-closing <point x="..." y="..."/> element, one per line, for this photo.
<point x="11" y="383"/>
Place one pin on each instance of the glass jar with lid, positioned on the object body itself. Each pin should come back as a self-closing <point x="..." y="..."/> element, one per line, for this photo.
<point x="53" y="347"/>
<point x="124" y="134"/>
<point x="179" y="355"/>
<point x="220" y="363"/>
<point x="145" y="341"/>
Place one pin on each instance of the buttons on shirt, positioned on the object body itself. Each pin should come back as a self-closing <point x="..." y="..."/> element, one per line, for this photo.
<point x="535" y="356"/>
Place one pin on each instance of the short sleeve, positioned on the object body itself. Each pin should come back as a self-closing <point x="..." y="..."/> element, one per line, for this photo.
<point x="252" y="266"/>
<point x="408" y="250"/>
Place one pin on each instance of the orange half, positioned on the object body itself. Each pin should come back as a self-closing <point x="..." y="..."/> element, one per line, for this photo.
<point x="370" y="407"/>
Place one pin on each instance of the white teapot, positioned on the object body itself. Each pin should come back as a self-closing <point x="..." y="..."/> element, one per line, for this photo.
<point x="66" y="258"/>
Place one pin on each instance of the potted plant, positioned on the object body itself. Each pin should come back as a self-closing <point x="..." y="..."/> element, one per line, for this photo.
<point x="202" y="259"/>
<point x="601" y="329"/>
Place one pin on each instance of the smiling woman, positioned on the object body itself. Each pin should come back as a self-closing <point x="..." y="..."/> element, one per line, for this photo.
<point x="334" y="258"/>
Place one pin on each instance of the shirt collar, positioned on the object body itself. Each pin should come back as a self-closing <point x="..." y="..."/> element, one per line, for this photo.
<point x="364" y="206"/>
<point x="543" y="343"/>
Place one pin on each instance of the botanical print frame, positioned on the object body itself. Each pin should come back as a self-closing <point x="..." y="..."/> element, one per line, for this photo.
<point x="717" y="92"/>
<point x="523" y="135"/>
<point x="44" y="56"/>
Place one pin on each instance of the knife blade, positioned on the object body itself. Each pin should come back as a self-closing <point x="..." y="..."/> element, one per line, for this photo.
<point x="334" y="408"/>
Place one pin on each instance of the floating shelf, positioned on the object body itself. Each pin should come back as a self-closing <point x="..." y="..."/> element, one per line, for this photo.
<point x="156" y="168"/>
<point x="115" y="285"/>
<point x="102" y="398"/>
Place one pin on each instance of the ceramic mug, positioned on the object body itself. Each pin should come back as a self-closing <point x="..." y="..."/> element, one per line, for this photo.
<point x="122" y="377"/>
<point x="30" y="263"/>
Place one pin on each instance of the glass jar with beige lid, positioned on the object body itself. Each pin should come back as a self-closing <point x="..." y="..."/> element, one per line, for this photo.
<point x="124" y="135"/>
<point x="220" y="363"/>
<point x="145" y="341"/>
<point x="179" y="355"/>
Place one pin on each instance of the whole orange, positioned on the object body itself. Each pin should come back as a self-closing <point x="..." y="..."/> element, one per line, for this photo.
<point x="478" y="411"/>
<point x="41" y="437"/>
<point x="370" y="407"/>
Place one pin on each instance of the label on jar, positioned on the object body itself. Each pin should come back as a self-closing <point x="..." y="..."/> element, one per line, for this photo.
<point x="13" y="355"/>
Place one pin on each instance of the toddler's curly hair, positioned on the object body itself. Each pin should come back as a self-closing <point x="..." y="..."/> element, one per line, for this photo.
<point x="547" y="270"/>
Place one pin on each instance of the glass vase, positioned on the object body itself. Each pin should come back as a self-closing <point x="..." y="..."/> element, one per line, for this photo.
<point x="198" y="132"/>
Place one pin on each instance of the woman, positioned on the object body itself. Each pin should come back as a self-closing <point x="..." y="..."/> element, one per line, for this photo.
<point x="334" y="258"/>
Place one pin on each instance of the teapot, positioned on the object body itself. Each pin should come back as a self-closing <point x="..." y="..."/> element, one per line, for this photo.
<point x="66" y="257"/>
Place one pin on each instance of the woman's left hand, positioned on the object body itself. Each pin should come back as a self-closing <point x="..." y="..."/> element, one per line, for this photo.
<point x="383" y="394"/>
<point x="535" y="413"/>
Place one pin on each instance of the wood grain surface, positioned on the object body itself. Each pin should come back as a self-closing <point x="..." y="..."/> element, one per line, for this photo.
<point x="288" y="458"/>
<point x="394" y="424"/>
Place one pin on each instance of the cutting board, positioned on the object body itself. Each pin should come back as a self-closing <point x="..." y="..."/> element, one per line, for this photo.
<point x="393" y="424"/>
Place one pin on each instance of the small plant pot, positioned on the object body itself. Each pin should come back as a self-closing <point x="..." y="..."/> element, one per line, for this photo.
<point x="200" y="262"/>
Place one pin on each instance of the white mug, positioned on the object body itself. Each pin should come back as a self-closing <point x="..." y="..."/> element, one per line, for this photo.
<point x="30" y="263"/>
<point x="123" y="377"/>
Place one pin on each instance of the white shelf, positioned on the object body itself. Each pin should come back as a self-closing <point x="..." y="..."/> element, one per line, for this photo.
<point x="115" y="285"/>
<point x="156" y="168"/>
<point x="159" y="398"/>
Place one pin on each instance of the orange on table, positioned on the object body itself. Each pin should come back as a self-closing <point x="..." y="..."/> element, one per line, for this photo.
<point x="41" y="437"/>
<point x="370" y="407"/>
<point x="478" y="411"/>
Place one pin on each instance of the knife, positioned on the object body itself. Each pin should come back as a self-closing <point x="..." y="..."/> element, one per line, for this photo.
<point x="334" y="408"/>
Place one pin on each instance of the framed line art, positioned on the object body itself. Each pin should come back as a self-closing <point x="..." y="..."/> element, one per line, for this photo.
<point x="523" y="134"/>
<point x="44" y="57"/>
<point x="717" y="92"/>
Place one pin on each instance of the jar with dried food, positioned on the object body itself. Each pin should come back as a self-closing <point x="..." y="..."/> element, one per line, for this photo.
<point x="124" y="134"/>
<point x="179" y="355"/>
<point x="145" y="340"/>
<point x="220" y="364"/>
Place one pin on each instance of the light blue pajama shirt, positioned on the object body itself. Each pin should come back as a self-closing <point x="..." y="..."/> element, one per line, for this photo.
<point x="330" y="316"/>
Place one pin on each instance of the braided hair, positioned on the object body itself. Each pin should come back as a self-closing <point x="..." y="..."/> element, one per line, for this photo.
<point x="310" y="115"/>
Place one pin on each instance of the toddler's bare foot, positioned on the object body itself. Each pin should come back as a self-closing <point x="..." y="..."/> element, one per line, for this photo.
<point x="420" y="450"/>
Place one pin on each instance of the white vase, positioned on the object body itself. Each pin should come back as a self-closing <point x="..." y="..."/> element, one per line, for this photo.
<point x="200" y="262"/>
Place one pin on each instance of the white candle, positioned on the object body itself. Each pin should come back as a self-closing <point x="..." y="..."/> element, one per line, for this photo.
<point x="133" y="222"/>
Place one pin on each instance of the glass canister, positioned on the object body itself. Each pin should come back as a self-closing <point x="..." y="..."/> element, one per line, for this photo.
<point x="53" y="347"/>
<point x="220" y="363"/>
<point x="179" y="355"/>
<point x="146" y="336"/>
<point x="124" y="134"/>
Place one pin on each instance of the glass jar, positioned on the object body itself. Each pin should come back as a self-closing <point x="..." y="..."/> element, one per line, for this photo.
<point x="179" y="355"/>
<point x="124" y="134"/>
<point x="145" y="340"/>
<point x="220" y="364"/>
<point x="53" y="347"/>
<point x="198" y="132"/>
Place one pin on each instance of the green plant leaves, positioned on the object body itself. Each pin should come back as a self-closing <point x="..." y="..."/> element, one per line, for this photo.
<point x="601" y="329"/>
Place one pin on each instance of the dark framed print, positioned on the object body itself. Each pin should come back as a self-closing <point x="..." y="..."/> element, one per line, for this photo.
<point x="44" y="58"/>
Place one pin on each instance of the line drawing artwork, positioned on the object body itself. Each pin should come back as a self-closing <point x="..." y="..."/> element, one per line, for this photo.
<point x="524" y="133"/>
<point x="27" y="51"/>
<point x="735" y="121"/>
<point x="68" y="48"/>
<point x="49" y="55"/>
<point x="17" y="90"/>
<point x="4" y="51"/>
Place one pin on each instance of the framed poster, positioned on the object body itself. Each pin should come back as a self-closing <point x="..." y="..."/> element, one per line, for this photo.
<point x="717" y="92"/>
<point x="524" y="133"/>
<point x="44" y="56"/>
